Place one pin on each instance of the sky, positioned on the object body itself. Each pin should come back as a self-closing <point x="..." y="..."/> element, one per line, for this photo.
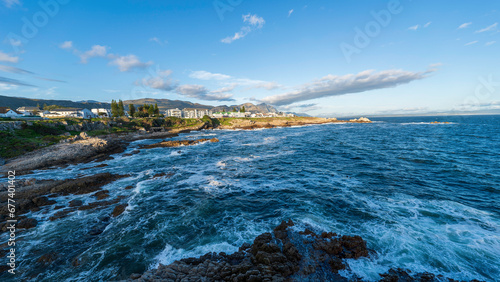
<point x="324" y="58"/>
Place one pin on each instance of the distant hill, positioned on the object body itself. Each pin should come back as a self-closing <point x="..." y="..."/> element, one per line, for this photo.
<point x="249" y="107"/>
<point x="163" y="104"/>
<point x="14" y="103"/>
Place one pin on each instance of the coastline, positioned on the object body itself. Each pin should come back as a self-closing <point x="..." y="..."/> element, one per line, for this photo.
<point x="100" y="148"/>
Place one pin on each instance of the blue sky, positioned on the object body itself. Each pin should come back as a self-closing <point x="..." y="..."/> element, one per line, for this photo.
<point x="328" y="58"/>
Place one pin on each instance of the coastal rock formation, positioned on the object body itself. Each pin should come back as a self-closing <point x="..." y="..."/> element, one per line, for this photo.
<point x="283" y="255"/>
<point x="361" y="120"/>
<point x="80" y="151"/>
<point x="177" y="143"/>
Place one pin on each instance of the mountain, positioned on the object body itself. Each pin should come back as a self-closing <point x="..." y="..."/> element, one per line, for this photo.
<point x="165" y="104"/>
<point x="249" y="107"/>
<point x="14" y="103"/>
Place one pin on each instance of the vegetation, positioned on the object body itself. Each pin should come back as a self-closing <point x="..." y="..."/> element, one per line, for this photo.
<point x="29" y="138"/>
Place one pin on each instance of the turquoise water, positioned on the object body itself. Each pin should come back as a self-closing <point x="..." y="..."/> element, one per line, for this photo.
<point x="424" y="196"/>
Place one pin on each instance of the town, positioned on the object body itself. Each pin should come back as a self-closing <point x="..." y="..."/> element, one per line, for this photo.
<point x="118" y="110"/>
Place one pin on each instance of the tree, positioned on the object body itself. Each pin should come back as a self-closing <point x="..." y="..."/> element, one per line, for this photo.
<point x="151" y="111"/>
<point x="121" y="108"/>
<point x="45" y="106"/>
<point x="157" y="110"/>
<point x="115" y="110"/>
<point x="242" y="110"/>
<point x="234" y="110"/>
<point x="131" y="110"/>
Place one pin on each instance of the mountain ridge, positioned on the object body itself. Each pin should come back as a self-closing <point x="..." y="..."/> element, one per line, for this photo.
<point x="163" y="104"/>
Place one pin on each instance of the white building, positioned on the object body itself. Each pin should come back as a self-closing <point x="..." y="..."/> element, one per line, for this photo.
<point x="232" y="114"/>
<point x="6" y="112"/>
<point x="101" y="112"/>
<point x="70" y="112"/>
<point x="28" y="111"/>
<point x="173" y="113"/>
<point x="195" y="113"/>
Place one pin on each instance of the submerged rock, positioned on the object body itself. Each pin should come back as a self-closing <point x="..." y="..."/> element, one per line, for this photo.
<point x="177" y="143"/>
<point x="119" y="210"/>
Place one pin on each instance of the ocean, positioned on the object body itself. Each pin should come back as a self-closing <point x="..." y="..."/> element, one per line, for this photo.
<point x="424" y="196"/>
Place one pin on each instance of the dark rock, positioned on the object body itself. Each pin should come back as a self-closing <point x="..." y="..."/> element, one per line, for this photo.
<point x="177" y="143"/>
<point x="61" y="214"/>
<point x="129" y="187"/>
<point x="43" y="201"/>
<point x="98" y="229"/>
<point x="101" y="195"/>
<point x="27" y="223"/>
<point x="85" y="185"/>
<point x="75" y="203"/>
<point x="119" y="210"/>
<point x="47" y="259"/>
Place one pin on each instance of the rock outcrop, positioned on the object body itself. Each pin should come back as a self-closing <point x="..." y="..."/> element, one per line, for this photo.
<point x="283" y="255"/>
<point x="178" y="143"/>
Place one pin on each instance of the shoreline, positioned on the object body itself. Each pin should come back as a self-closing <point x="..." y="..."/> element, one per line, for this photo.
<point x="100" y="148"/>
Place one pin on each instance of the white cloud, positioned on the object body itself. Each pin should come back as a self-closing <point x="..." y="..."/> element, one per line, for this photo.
<point x="490" y="43"/>
<point x="95" y="51"/>
<point x="464" y="25"/>
<point x="202" y="93"/>
<point x="471" y="43"/>
<point x="227" y="79"/>
<point x="333" y="85"/>
<point x="205" y="75"/>
<point x="14" y="70"/>
<point x="160" y="82"/>
<point x="11" y="3"/>
<point x="66" y="45"/>
<point x="290" y="12"/>
<point x="14" y="42"/>
<point x="415" y="27"/>
<point x="254" y="22"/>
<point x="128" y="63"/>
<point x="159" y="41"/>
<point x="488" y="28"/>
<point x="7" y="58"/>
<point x="427" y="24"/>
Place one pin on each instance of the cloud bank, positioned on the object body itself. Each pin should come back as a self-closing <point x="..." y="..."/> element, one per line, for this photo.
<point x="333" y="85"/>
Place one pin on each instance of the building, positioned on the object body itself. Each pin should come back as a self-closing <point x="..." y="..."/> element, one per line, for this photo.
<point x="188" y="113"/>
<point x="232" y="114"/>
<point x="7" y="112"/>
<point x="69" y="113"/>
<point x="195" y="113"/>
<point x="29" y="111"/>
<point x="101" y="112"/>
<point x="173" y="113"/>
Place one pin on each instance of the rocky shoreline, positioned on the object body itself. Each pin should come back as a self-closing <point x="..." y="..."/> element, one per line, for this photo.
<point x="283" y="255"/>
<point x="84" y="149"/>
